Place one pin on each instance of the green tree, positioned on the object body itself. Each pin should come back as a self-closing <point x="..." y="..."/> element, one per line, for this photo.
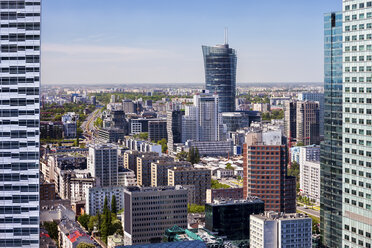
<point x="182" y="156"/>
<point x="84" y="220"/>
<point x="52" y="228"/>
<point x="93" y="222"/>
<point x="113" y="204"/>
<point x="229" y="167"/>
<point x="197" y="155"/>
<point x="300" y="143"/>
<point x="193" y="156"/>
<point x="85" y="245"/>
<point x="217" y="185"/>
<point x="106" y="223"/>
<point x="194" y="208"/>
<point x="164" y="146"/>
<point x="295" y="172"/>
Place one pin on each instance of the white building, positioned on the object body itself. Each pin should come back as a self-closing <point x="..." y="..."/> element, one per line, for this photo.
<point x="102" y="163"/>
<point x="20" y="80"/>
<point x="126" y="177"/>
<point x="261" y="107"/>
<point x="280" y="230"/>
<point x="223" y="173"/>
<point x="310" y="172"/>
<point x="96" y="198"/>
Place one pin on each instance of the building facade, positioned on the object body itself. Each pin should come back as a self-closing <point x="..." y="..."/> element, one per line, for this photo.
<point x="315" y="97"/>
<point x="224" y="194"/>
<point x="331" y="147"/>
<point x="20" y="80"/>
<point x="174" y="128"/>
<point x="96" y="198"/>
<point x="157" y="130"/>
<point x="220" y="74"/>
<point x="159" y="171"/>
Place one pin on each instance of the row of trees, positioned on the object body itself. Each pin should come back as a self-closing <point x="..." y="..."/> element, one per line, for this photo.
<point x="274" y="115"/>
<point x="192" y="156"/>
<point x="215" y="184"/>
<point x="106" y="222"/>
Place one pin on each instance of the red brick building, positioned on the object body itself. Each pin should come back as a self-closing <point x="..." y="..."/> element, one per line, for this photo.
<point x="265" y="173"/>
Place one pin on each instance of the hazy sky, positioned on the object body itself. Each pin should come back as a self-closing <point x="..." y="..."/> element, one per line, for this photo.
<point x="159" y="41"/>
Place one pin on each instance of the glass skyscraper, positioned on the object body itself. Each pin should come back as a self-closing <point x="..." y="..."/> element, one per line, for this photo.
<point x="19" y="123"/>
<point x="220" y="74"/>
<point x="357" y="124"/>
<point x="331" y="147"/>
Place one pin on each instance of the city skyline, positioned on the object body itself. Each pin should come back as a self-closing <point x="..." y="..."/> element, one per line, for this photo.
<point x="160" y="43"/>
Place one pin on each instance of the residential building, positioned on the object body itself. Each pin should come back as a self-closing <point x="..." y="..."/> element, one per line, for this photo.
<point x="189" y="124"/>
<point x="174" y="128"/>
<point x="51" y="130"/>
<point x="315" y="97"/>
<point x="130" y="160"/>
<point x="111" y="135"/>
<point x="200" y="178"/>
<point x="20" y="116"/>
<point x="310" y="172"/>
<point x="47" y="191"/>
<point x="230" y="218"/>
<point x="272" y="229"/>
<point x="212" y="148"/>
<point x="357" y="121"/>
<point x="96" y="198"/>
<point x="144" y="167"/>
<point x="159" y="171"/>
<point x="261" y="107"/>
<point x="331" y="182"/>
<point x="265" y="171"/>
<point x="126" y="177"/>
<point x="157" y="130"/>
<point x="224" y="194"/>
<point x="103" y="164"/>
<point x="71" y="234"/>
<point x="142" y="146"/>
<point x="143" y="223"/>
<point x="220" y="74"/>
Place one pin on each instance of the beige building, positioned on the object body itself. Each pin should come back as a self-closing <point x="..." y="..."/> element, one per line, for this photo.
<point x="149" y="211"/>
<point x="144" y="167"/>
<point x="130" y="159"/>
<point x="200" y="178"/>
<point x="159" y="171"/>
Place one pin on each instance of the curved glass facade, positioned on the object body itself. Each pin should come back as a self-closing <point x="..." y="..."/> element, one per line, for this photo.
<point x="220" y="75"/>
<point x="331" y="147"/>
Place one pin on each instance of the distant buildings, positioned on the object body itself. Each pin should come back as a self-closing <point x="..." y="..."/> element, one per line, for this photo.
<point x="265" y="171"/>
<point x="69" y="121"/>
<point x="110" y="135"/>
<point x="150" y="211"/>
<point x="231" y="218"/>
<point x="220" y="74"/>
<point x="142" y="146"/>
<point x="200" y="178"/>
<point x="280" y="230"/>
<point x="103" y="164"/>
<point x="126" y="177"/>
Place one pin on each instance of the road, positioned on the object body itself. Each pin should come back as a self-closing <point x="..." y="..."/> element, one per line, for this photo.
<point x="88" y="125"/>
<point x="309" y="211"/>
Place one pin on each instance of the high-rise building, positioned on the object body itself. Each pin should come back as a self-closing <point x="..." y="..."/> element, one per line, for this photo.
<point x="230" y="218"/>
<point x="144" y="167"/>
<point x="280" y="230"/>
<point x="157" y="130"/>
<point x="265" y="171"/>
<point x="174" y="128"/>
<point x="200" y="178"/>
<point x="159" y="171"/>
<point x="331" y="147"/>
<point x="20" y="80"/>
<point x="357" y="123"/>
<point x="310" y="172"/>
<point x="315" y="97"/>
<point x="150" y="211"/>
<point x="102" y="163"/>
<point x="220" y="74"/>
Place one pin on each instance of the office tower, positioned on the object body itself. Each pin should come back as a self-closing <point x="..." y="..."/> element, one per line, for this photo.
<point x="20" y="79"/>
<point x="301" y="122"/>
<point x="200" y="178"/>
<point x="331" y="147"/>
<point x="150" y="211"/>
<point x="157" y="130"/>
<point x="144" y="167"/>
<point x="357" y="122"/>
<point x="315" y="97"/>
<point x="102" y="163"/>
<point x="189" y="124"/>
<point x="280" y="230"/>
<point x="207" y="117"/>
<point x="95" y="198"/>
<point x="231" y="218"/>
<point x="265" y="171"/>
<point x="310" y="172"/>
<point x="220" y="74"/>
<point x="159" y="171"/>
<point x="174" y="128"/>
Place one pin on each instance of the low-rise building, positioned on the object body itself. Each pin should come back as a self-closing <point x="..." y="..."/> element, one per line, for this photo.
<point x="71" y="234"/>
<point x="96" y="198"/>
<point x="271" y="229"/>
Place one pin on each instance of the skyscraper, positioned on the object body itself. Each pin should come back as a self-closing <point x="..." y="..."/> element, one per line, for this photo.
<point x="19" y="120"/>
<point x="357" y="124"/>
<point x="220" y="74"/>
<point x="331" y="147"/>
<point x="174" y="128"/>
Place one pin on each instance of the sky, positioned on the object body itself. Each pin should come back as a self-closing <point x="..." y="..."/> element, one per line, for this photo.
<point x="159" y="41"/>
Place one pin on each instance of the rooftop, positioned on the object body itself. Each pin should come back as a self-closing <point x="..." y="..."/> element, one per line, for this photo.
<point x="270" y="215"/>
<point x="250" y="200"/>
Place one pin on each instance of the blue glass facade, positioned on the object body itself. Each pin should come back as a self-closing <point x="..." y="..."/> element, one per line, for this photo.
<point x="331" y="147"/>
<point x="220" y="74"/>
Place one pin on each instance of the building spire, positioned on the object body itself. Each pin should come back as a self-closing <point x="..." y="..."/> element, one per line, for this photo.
<point x="226" y="36"/>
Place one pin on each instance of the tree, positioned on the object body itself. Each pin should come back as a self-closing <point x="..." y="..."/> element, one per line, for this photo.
<point x="193" y="156"/>
<point x="85" y="245"/>
<point x="52" y="228"/>
<point x="106" y="223"/>
<point x="217" y="185"/>
<point x="300" y="143"/>
<point x="113" y="204"/>
<point x="229" y="167"/>
<point x="197" y="155"/>
<point x="194" y="208"/>
<point x="164" y="146"/>
<point x="84" y="220"/>
<point x="93" y="222"/>
<point x="295" y="172"/>
<point x="182" y="156"/>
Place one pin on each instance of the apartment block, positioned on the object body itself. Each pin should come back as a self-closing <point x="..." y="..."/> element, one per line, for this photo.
<point x="159" y="171"/>
<point x="96" y="198"/>
<point x="144" y="167"/>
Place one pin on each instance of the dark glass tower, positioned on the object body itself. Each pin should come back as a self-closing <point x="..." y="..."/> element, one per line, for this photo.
<point x="331" y="148"/>
<point x="220" y="74"/>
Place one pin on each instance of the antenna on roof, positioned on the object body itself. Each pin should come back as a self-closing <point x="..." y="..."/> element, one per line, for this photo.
<point x="226" y="36"/>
